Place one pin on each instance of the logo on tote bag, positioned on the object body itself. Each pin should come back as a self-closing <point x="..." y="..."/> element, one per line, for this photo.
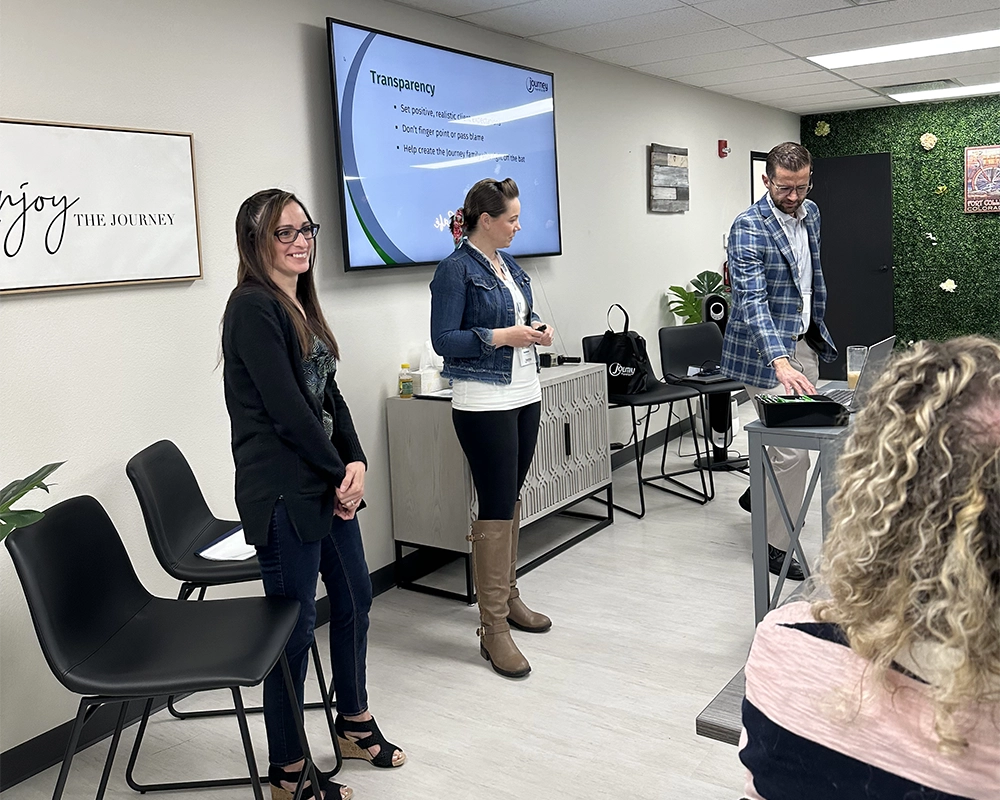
<point x="615" y="370"/>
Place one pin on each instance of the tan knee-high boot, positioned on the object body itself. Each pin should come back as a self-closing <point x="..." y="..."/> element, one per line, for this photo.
<point x="491" y="563"/>
<point x="518" y="614"/>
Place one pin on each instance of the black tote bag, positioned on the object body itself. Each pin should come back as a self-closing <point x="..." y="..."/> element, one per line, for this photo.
<point x="628" y="367"/>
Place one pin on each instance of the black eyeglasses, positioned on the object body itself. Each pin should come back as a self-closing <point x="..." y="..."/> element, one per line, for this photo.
<point x="289" y="235"/>
<point x="784" y="191"/>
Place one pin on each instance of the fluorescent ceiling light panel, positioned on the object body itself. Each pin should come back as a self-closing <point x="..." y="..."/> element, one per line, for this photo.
<point x="946" y="94"/>
<point x="901" y="52"/>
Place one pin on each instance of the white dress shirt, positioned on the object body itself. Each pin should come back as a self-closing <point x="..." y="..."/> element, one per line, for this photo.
<point x="794" y="227"/>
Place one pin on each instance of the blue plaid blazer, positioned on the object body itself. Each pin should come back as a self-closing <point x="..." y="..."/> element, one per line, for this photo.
<point x="767" y="303"/>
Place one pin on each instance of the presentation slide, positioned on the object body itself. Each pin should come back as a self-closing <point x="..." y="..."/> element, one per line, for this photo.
<point x="418" y="126"/>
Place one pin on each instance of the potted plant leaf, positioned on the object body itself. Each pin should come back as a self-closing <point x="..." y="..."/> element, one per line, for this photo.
<point x="687" y="303"/>
<point x="17" y="518"/>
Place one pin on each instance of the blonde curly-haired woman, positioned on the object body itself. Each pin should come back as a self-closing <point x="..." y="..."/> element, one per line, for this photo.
<point x="887" y="683"/>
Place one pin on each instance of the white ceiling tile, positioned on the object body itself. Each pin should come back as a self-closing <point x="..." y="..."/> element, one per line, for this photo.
<point x="742" y="83"/>
<point x="942" y="64"/>
<point x="708" y="62"/>
<point x="545" y="16"/>
<point x="753" y="49"/>
<point x="631" y="30"/>
<point x="829" y="106"/>
<point x="866" y="17"/>
<point x="456" y="8"/>
<point x="745" y="12"/>
<point x="980" y="79"/>
<point x="755" y="72"/>
<point x="676" y="47"/>
<point x="894" y="34"/>
<point x="840" y="91"/>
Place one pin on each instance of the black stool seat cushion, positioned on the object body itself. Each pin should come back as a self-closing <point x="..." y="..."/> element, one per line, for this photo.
<point x="102" y="633"/>
<point x="178" y="519"/>
<point x="716" y="388"/>
<point x="193" y="568"/>
<point x="664" y="393"/>
<point x="172" y="647"/>
<point x="700" y="344"/>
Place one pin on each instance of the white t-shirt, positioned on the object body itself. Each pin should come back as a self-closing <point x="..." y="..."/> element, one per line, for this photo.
<point x="524" y="388"/>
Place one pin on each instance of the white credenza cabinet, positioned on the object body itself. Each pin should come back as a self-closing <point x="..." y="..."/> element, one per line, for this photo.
<point x="433" y="498"/>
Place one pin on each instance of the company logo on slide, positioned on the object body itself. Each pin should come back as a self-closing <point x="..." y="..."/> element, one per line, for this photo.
<point x="532" y="85"/>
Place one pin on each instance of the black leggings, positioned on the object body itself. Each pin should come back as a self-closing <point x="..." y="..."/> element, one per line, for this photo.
<point x="499" y="446"/>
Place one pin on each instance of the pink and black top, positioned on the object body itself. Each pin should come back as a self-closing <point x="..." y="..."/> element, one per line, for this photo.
<point x="816" y="725"/>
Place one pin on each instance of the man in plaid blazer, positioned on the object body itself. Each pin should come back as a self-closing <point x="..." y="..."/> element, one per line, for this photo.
<point x="776" y="333"/>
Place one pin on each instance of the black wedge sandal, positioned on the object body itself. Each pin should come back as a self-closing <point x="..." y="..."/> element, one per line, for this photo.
<point x="358" y="748"/>
<point x="330" y="790"/>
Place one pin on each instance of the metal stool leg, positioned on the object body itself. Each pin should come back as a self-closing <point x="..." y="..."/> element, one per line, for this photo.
<point x="82" y="715"/>
<point x="640" y="454"/>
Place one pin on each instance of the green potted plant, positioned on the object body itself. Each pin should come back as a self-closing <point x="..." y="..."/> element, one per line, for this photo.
<point x="17" y="518"/>
<point x="686" y="303"/>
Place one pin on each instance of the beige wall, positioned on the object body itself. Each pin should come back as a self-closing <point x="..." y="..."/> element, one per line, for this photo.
<point x="92" y="376"/>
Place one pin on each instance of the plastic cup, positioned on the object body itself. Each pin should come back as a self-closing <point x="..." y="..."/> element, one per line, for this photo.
<point x="856" y="355"/>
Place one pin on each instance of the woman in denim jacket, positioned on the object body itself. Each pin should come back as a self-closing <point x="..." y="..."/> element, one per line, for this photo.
<point x="483" y="325"/>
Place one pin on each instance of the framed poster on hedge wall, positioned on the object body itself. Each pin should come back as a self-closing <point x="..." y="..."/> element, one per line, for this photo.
<point x="982" y="179"/>
<point x="87" y="206"/>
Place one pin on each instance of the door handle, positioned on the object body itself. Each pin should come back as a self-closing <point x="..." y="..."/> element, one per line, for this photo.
<point x="569" y="439"/>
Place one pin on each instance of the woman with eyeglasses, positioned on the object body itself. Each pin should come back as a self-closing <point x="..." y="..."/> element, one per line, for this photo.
<point x="483" y="324"/>
<point x="300" y="476"/>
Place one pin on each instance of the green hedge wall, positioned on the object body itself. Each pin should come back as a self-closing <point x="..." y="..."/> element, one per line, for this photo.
<point x="965" y="247"/>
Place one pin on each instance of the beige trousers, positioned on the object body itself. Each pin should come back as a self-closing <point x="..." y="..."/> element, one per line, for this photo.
<point x="791" y="467"/>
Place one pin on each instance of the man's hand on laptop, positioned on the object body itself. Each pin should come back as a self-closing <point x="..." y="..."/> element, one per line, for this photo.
<point x="791" y="379"/>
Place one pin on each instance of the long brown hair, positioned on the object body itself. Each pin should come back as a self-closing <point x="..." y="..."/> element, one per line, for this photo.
<point x="256" y="223"/>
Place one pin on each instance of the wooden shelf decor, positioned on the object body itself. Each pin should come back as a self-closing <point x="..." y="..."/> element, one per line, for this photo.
<point x="668" y="179"/>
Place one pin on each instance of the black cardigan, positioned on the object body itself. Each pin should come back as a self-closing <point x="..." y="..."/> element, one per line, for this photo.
<point x="279" y="444"/>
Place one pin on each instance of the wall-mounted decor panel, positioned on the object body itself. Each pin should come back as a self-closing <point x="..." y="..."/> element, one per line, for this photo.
<point x="86" y="206"/>
<point x="669" y="185"/>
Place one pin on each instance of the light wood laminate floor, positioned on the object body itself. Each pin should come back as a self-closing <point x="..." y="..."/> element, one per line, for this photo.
<point x="651" y="619"/>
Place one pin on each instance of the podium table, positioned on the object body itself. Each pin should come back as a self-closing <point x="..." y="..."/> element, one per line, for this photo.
<point x="828" y="442"/>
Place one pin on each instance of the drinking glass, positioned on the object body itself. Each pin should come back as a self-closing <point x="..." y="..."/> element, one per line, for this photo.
<point x="856" y="355"/>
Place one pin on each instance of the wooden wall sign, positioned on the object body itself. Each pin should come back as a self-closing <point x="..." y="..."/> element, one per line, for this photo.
<point x="668" y="179"/>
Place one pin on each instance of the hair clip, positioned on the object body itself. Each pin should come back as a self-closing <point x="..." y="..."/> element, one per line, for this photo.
<point x="457" y="225"/>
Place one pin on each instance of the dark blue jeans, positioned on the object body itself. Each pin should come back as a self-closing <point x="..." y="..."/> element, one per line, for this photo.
<point x="290" y="568"/>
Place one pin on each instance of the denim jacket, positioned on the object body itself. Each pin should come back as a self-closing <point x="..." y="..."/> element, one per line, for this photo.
<point x="468" y="301"/>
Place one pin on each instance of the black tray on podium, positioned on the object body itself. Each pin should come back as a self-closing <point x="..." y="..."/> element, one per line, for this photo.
<point x="795" y="411"/>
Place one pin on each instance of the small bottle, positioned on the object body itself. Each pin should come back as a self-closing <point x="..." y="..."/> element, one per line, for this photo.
<point x="405" y="381"/>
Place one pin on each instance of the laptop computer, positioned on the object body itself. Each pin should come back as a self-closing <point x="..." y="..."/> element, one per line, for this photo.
<point x="878" y="355"/>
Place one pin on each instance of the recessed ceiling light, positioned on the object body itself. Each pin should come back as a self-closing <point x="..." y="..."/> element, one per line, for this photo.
<point x="947" y="94"/>
<point x="900" y="52"/>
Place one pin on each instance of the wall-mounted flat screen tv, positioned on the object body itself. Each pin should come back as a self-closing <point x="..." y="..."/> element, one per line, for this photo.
<point x="417" y="125"/>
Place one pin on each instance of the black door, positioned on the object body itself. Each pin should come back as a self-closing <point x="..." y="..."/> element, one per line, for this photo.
<point x="854" y="195"/>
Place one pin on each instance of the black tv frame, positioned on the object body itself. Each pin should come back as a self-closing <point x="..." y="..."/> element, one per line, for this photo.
<point x="330" y="22"/>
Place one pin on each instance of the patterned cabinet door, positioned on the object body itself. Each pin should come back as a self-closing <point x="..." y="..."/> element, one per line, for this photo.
<point x="572" y="457"/>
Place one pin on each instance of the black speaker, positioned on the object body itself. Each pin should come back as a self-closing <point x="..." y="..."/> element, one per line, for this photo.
<point x="714" y="308"/>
